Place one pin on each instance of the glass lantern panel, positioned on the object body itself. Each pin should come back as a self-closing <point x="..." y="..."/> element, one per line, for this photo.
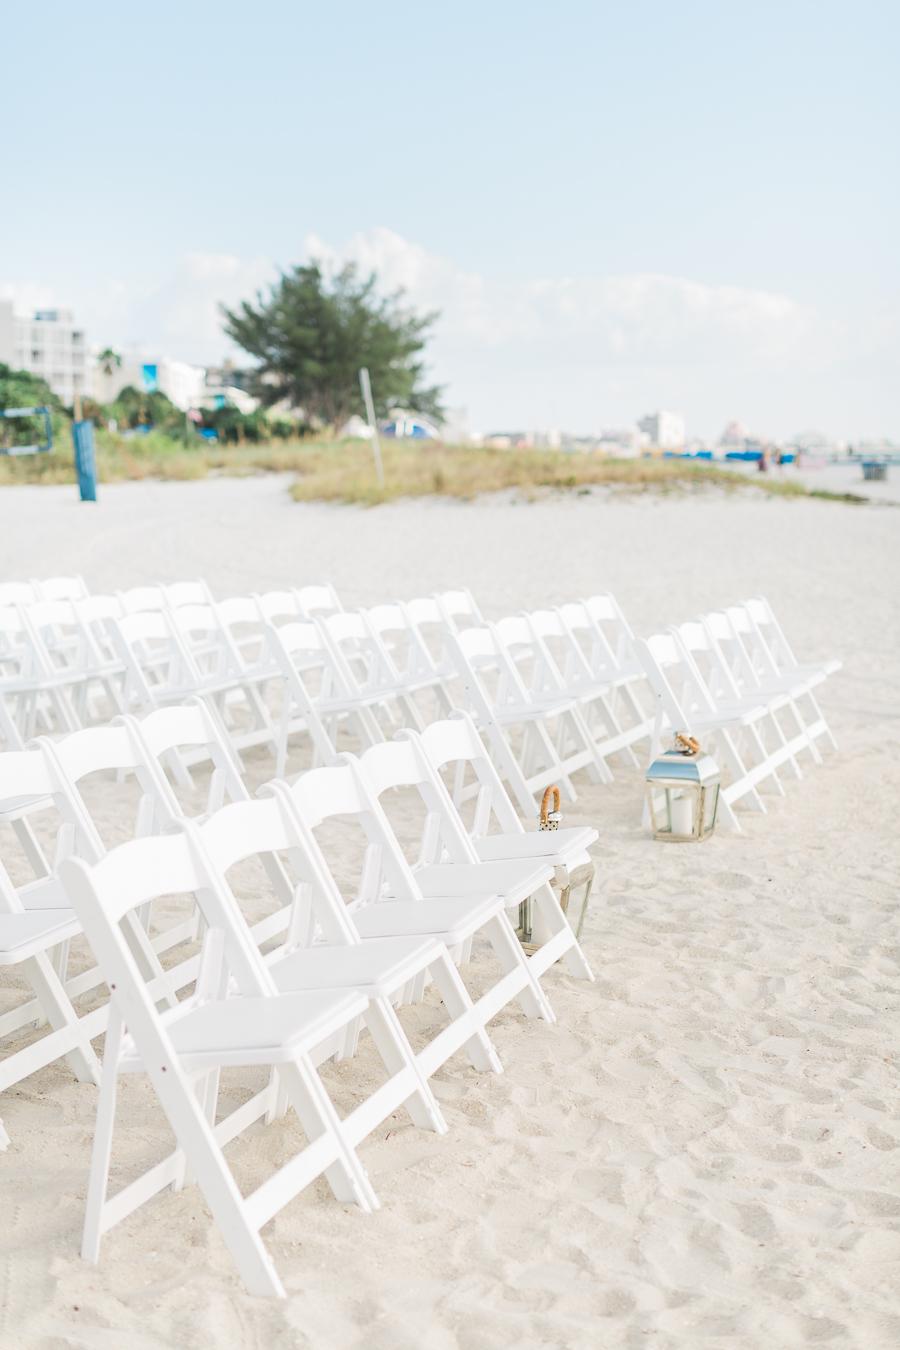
<point x="682" y="805"/>
<point x="709" y="807"/>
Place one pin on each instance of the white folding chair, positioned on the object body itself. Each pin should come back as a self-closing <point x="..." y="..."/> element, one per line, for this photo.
<point x="708" y="660"/>
<point x="776" y="665"/>
<point x="449" y="861"/>
<point x="36" y="927"/>
<point x="322" y="694"/>
<point x="326" y="952"/>
<point x="739" y="675"/>
<point x="537" y="734"/>
<point x="183" y="1050"/>
<point x="226" y="677"/>
<point x="61" y="588"/>
<point x="317" y="601"/>
<point x="460" y="608"/>
<point x="35" y="694"/>
<point x="390" y="902"/>
<point x="605" y="691"/>
<point x="412" y="664"/>
<point x="496" y="833"/>
<point x="684" y="703"/>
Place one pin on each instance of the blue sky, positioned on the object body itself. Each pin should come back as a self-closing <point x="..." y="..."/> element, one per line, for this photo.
<point x="615" y="207"/>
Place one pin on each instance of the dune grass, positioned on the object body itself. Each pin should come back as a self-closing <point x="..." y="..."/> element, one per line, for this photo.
<point x="343" y="471"/>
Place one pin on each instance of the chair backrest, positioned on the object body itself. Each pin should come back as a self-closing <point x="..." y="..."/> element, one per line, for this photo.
<point x="104" y="894"/>
<point x="24" y="774"/>
<point x="708" y="659"/>
<point x="561" y="642"/>
<point x="179" y="593"/>
<point x="770" y="634"/>
<point x="403" y="763"/>
<point x="460" y="608"/>
<point x="318" y="600"/>
<point x="732" y="647"/>
<point x="611" y="628"/>
<point x="72" y="758"/>
<point x="19" y="593"/>
<point x="62" y="588"/>
<point x="97" y="608"/>
<point x="674" y="680"/>
<point x="265" y="828"/>
<point x="526" y="649"/>
<point x="155" y="656"/>
<point x="193" y="726"/>
<point x="142" y="599"/>
<point x="341" y="790"/>
<point x="297" y="639"/>
<point x="361" y="661"/>
<point x="456" y="741"/>
<point x="274" y="605"/>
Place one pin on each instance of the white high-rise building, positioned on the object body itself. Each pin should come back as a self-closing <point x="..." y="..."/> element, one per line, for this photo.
<point x="664" y="429"/>
<point x="47" y="343"/>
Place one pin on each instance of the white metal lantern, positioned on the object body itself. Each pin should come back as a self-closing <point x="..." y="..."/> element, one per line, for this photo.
<point x="683" y="793"/>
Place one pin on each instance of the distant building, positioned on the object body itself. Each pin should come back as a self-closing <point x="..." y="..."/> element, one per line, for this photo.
<point x="664" y="429"/>
<point x="622" y="441"/>
<point x="508" y="440"/>
<point x="47" y="343"/>
<point x="179" y="381"/>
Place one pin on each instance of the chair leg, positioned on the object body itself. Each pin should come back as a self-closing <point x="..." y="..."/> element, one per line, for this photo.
<point x="103" y="1135"/>
<point x="395" y="1050"/>
<point x="551" y="916"/>
<point x="455" y="997"/>
<point x="532" y="999"/>
<point x="346" y="1175"/>
<point x="59" y="1013"/>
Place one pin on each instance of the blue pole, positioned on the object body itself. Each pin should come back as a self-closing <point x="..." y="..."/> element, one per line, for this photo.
<point x="85" y="460"/>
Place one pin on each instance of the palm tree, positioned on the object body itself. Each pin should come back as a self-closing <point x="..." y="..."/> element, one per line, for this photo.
<point x="109" y="361"/>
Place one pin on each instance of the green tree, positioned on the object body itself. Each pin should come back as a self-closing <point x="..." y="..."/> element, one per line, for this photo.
<point x="109" y="361"/>
<point x="311" y="334"/>
<point x="21" y="389"/>
<point x="135" y="407"/>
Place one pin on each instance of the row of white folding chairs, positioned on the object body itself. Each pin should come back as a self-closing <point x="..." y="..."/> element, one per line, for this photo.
<point x="571" y="707"/>
<point x="34" y="924"/>
<point x="732" y="675"/>
<point x="450" y="900"/>
<point x="50" y="588"/>
<point x="61" y="667"/>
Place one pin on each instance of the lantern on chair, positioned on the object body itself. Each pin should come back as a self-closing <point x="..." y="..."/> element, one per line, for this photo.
<point x="683" y="793"/>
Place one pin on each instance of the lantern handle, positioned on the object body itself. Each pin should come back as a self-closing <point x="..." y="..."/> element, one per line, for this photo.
<point x="551" y="791"/>
<point x="688" y="745"/>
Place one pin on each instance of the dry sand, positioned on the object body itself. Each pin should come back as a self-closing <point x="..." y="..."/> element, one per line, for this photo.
<point x="704" y="1151"/>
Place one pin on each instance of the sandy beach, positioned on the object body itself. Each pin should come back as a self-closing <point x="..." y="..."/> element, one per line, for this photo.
<point x="704" y="1152"/>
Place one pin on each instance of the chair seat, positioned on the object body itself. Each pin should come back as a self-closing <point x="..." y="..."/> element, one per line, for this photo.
<point x="379" y="965"/>
<point x="814" y="672"/>
<point x="240" y="1032"/>
<point x="535" y="710"/>
<point x="453" y="920"/>
<point x="25" y="935"/>
<point x="514" y="879"/>
<point x="729" y="715"/>
<point x="567" y="847"/>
